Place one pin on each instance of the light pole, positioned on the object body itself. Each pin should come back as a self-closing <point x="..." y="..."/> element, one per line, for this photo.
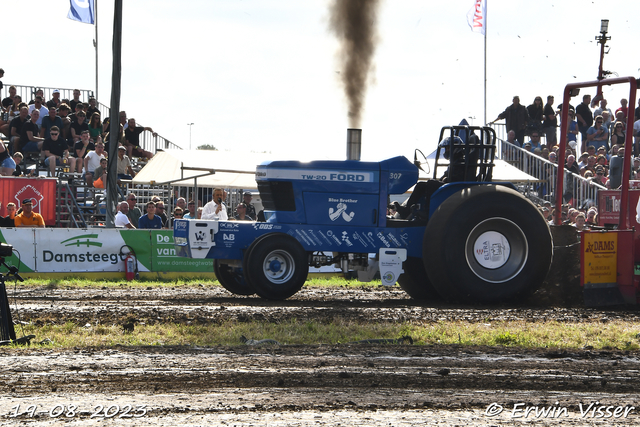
<point x="602" y="40"/>
<point x="189" y="124"/>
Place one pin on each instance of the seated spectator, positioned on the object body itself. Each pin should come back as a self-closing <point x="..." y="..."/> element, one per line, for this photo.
<point x="29" y="218"/>
<point x="38" y="105"/>
<point x="14" y="109"/>
<point x="95" y="127"/>
<point x="55" y="99"/>
<point x="17" y="159"/>
<point x="125" y="171"/>
<point x="9" y="220"/>
<point x="78" y="126"/>
<point x="30" y="140"/>
<point x="92" y="160"/>
<point x="122" y="219"/>
<point x="38" y="93"/>
<point x="8" y="101"/>
<point x="535" y="141"/>
<point x="63" y="113"/>
<point x="16" y="127"/>
<point x="241" y="213"/>
<point x="100" y="174"/>
<point x="150" y="220"/>
<point x="598" y="135"/>
<point x="191" y="210"/>
<point x="56" y="151"/>
<point x="177" y="214"/>
<point x="82" y="148"/>
<point x="134" y="212"/>
<point x="50" y="121"/>
<point x="160" y="211"/>
<point x="132" y="139"/>
<point x="7" y="165"/>
<point x="91" y="108"/>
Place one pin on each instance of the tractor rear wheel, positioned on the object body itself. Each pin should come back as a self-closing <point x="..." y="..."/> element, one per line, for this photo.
<point x="230" y="279"/>
<point x="276" y="266"/>
<point x="488" y="244"/>
<point x="415" y="282"/>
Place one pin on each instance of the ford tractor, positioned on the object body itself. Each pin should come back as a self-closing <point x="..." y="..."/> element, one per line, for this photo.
<point x="457" y="235"/>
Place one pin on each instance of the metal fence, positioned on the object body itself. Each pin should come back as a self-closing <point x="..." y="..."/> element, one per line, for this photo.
<point x="147" y="141"/>
<point x="582" y="192"/>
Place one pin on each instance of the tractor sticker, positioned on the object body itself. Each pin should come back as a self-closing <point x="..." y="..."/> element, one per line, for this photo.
<point x="340" y="211"/>
<point x="359" y="238"/>
<point x="491" y="250"/>
<point x="314" y="237"/>
<point x="325" y="238"/>
<point x="200" y="236"/>
<point x="334" y="237"/>
<point x="383" y="239"/>
<point x="393" y="239"/>
<point x="345" y="238"/>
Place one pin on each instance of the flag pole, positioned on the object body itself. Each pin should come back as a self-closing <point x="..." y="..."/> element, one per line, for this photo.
<point x="485" y="65"/>
<point x="95" y="44"/>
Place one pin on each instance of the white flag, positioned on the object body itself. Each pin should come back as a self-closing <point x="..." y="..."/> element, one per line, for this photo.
<point x="82" y="11"/>
<point x="477" y="17"/>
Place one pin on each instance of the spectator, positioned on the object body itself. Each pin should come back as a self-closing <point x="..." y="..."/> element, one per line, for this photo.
<point x="181" y="203"/>
<point x="516" y="118"/>
<point x="133" y="212"/>
<point x="14" y="110"/>
<point x="28" y="218"/>
<point x="100" y="174"/>
<point x="241" y="213"/>
<point x="30" y="140"/>
<point x="536" y="114"/>
<point x="199" y="212"/>
<point x="12" y="93"/>
<point x="78" y="126"/>
<point x="56" y="151"/>
<point x="592" y="215"/>
<point x="91" y="108"/>
<point x="132" y="138"/>
<point x="604" y="109"/>
<point x="92" y="160"/>
<point x="251" y="210"/>
<point x="122" y="219"/>
<point x="16" y="127"/>
<point x="150" y="220"/>
<point x="51" y="120"/>
<point x="215" y="209"/>
<point x="618" y="134"/>
<point x="580" y="222"/>
<point x="550" y="122"/>
<point x="615" y="169"/>
<point x="191" y="210"/>
<point x="7" y="165"/>
<point x="636" y="116"/>
<point x="585" y="119"/>
<point x="598" y="135"/>
<point x="125" y="171"/>
<point x="38" y="93"/>
<point x="42" y="109"/>
<point x="76" y="99"/>
<point x="177" y="214"/>
<point x="624" y="108"/>
<point x="9" y="220"/>
<point x="589" y="167"/>
<point x="55" y="99"/>
<point x="95" y="127"/>
<point x="82" y="148"/>
<point x="17" y="159"/>
<point x="535" y="141"/>
<point x="160" y="211"/>
<point x="63" y="113"/>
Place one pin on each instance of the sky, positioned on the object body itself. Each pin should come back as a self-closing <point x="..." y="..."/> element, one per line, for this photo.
<point x="263" y="75"/>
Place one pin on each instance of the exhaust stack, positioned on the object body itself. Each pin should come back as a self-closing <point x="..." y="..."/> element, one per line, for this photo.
<point x="354" y="144"/>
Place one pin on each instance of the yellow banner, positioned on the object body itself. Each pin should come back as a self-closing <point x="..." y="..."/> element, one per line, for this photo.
<point x="600" y="257"/>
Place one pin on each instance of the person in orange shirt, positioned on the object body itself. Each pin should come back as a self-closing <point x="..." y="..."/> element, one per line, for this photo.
<point x="28" y="218"/>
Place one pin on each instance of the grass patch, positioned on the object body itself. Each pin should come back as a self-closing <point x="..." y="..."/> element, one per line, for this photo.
<point x="612" y="335"/>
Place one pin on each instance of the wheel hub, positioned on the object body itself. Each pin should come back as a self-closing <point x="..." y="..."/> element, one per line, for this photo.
<point x="492" y="249"/>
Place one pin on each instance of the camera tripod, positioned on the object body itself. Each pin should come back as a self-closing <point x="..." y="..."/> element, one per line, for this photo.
<point x="7" y="331"/>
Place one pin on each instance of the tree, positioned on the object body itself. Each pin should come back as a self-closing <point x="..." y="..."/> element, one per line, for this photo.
<point x="206" y="147"/>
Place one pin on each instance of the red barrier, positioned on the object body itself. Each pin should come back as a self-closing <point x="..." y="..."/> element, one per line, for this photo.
<point x="41" y="191"/>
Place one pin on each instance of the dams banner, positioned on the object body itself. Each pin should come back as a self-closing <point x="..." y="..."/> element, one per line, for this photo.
<point x="41" y="191"/>
<point x="71" y="250"/>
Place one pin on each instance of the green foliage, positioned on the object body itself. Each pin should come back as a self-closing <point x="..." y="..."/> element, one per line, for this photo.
<point x="206" y="147"/>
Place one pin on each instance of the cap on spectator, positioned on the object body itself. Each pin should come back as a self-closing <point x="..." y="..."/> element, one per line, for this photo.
<point x="27" y="202"/>
<point x="56" y="91"/>
<point x="247" y="193"/>
<point x="599" y="169"/>
<point x="121" y="147"/>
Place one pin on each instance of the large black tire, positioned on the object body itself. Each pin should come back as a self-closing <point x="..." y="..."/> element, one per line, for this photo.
<point x="276" y="266"/>
<point x="487" y="244"/>
<point x="415" y="282"/>
<point x="231" y="280"/>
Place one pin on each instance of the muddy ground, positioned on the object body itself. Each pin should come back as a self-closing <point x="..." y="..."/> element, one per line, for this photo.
<point x="323" y="384"/>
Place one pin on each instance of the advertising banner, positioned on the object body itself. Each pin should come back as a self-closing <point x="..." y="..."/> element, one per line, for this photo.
<point x="41" y="191"/>
<point x="599" y="257"/>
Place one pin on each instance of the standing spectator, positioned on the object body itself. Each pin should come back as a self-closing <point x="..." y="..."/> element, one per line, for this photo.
<point x="122" y="219"/>
<point x="624" y="108"/>
<point x="92" y="161"/>
<point x="572" y="131"/>
<point x="598" y="135"/>
<point x="56" y="150"/>
<point x="615" y="169"/>
<point x="28" y="218"/>
<point x="580" y="222"/>
<point x="585" y="119"/>
<point x="134" y="212"/>
<point x="536" y="114"/>
<point x="9" y="220"/>
<point x="251" y="210"/>
<point x="30" y="140"/>
<point x="191" y="210"/>
<point x="550" y="122"/>
<point x="55" y="99"/>
<point x="241" y="213"/>
<point x="636" y="116"/>
<point x="82" y="148"/>
<point x="132" y="138"/>
<point x="51" y="120"/>
<point x="215" y="209"/>
<point x="16" y="127"/>
<point x="76" y="99"/>
<point x="150" y="220"/>
<point x="636" y="137"/>
<point x="125" y="171"/>
<point x="38" y="105"/>
<point x="516" y="118"/>
<point x="91" y="108"/>
<point x="592" y="214"/>
<point x="181" y="203"/>
<point x="604" y="109"/>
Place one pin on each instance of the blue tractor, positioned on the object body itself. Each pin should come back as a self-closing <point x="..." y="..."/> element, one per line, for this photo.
<point x="458" y="235"/>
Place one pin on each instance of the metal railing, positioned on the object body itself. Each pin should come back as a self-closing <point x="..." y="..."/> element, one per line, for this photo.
<point x="147" y="141"/>
<point x="583" y="192"/>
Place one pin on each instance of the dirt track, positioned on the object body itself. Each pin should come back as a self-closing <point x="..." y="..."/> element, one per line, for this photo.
<point x="322" y="384"/>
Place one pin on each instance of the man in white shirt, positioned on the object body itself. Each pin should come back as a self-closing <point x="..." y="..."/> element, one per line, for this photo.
<point x="92" y="159"/>
<point x="121" y="220"/>
<point x="215" y="209"/>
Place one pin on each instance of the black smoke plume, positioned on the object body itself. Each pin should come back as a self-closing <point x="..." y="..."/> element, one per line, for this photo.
<point x="354" y="24"/>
